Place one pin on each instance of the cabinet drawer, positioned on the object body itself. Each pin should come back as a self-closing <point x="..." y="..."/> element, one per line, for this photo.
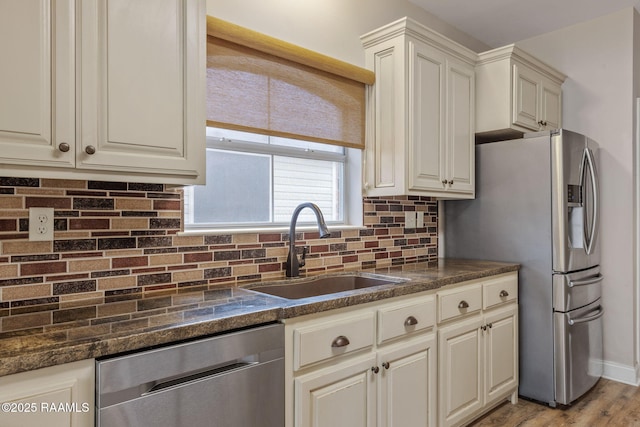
<point x="333" y="338"/>
<point x="458" y="302"/>
<point x="403" y="319"/>
<point x="500" y="290"/>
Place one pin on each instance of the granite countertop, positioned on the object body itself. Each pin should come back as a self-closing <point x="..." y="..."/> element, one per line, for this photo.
<point x="117" y="325"/>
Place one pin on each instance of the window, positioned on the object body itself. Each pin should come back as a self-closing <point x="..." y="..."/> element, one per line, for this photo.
<point x="285" y="126"/>
<point x="257" y="180"/>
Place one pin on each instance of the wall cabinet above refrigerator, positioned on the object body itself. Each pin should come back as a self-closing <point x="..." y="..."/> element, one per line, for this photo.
<point x="103" y="90"/>
<point x="516" y="93"/>
<point x="421" y="113"/>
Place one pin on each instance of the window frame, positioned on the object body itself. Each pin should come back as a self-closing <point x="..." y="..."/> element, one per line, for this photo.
<point x="259" y="148"/>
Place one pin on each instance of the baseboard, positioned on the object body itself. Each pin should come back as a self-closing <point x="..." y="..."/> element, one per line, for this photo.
<point x="621" y="373"/>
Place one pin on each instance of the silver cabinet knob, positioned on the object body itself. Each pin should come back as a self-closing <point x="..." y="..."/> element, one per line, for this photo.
<point x="444" y="181"/>
<point x="375" y="369"/>
<point x="64" y="147"/>
<point x="385" y="365"/>
<point x="451" y="182"/>
<point x="504" y="294"/>
<point x="463" y="304"/>
<point x="90" y="149"/>
<point x="411" y="321"/>
<point x="341" y="341"/>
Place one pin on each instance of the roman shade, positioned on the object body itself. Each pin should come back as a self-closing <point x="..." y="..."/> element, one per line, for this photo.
<point x="260" y="84"/>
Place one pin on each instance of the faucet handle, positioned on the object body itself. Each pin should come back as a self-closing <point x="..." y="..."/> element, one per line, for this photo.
<point x="305" y="249"/>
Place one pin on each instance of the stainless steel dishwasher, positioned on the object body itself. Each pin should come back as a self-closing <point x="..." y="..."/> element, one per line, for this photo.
<point x="230" y="380"/>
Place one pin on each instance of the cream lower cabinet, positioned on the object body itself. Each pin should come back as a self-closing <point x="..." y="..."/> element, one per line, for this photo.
<point x="373" y="366"/>
<point x="422" y="120"/>
<point x="103" y="90"/>
<point x="437" y="358"/>
<point x="58" y="396"/>
<point x="478" y="349"/>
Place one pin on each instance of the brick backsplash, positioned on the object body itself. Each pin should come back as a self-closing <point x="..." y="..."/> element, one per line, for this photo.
<point x="120" y="239"/>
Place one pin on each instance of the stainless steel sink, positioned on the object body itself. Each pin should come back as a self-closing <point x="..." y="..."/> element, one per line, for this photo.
<point x="324" y="285"/>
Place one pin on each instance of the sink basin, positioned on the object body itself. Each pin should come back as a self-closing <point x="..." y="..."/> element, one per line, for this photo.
<point x="324" y="285"/>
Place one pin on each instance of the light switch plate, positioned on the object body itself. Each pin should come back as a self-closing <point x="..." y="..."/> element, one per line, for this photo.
<point x="41" y="224"/>
<point x="410" y="219"/>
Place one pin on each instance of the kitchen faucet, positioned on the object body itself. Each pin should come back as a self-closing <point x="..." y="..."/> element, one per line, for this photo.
<point x="292" y="266"/>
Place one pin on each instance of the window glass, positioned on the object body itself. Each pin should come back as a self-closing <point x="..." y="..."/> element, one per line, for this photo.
<point x="256" y="180"/>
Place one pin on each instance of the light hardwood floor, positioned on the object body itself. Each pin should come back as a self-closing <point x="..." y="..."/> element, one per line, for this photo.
<point x="608" y="404"/>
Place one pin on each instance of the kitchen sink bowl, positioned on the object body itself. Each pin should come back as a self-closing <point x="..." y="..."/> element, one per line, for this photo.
<point x="324" y="285"/>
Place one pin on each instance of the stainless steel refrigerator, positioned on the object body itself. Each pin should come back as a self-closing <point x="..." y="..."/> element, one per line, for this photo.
<point x="537" y="204"/>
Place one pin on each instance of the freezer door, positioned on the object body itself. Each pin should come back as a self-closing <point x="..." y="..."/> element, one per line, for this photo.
<point x="575" y="290"/>
<point x="578" y="351"/>
<point x="574" y="204"/>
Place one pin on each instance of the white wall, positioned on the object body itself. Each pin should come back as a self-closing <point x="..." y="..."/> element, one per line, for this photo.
<point x="598" y="100"/>
<point x="331" y="27"/>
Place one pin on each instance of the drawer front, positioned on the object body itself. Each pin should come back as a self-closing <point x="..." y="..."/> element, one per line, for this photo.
<point x="407" y="318"/>
<point x="458" y="302"/>
<point x="315" y="343"/>
<point x="500" y="290"/>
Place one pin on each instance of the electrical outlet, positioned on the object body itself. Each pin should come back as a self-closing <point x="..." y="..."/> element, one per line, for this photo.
<point x="420" y="219"/>
<point x="41" y="224"/>
<point x="410" y="219"/>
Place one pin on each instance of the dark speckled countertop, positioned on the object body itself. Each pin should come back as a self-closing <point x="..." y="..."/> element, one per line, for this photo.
<point x="159" y="319"/>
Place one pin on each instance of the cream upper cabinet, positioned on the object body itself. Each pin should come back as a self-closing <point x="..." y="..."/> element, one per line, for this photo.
<point x="516" y="93"/>
<point x="421" y="116"/>
<point x="115" y="90"/>
<point x="37" y="83"/>
<point x="58" y="396"/>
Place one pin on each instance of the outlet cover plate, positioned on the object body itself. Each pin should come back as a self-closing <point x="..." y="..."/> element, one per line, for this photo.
<point x="410" y="219"/>
<point x="41" y="224"/>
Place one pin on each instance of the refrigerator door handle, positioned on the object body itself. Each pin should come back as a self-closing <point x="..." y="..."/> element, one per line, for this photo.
<point x="585" y="319"/>
<point x="590" y="238"/>
<point x="584" y="282"/>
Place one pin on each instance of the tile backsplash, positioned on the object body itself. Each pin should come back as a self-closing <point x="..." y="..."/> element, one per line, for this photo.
<point x="115" y="239"/>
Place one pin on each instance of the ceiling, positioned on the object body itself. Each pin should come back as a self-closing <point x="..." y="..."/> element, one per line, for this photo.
<point x="501" y="22"/>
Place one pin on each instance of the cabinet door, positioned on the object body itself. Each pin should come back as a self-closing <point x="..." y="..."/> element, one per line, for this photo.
<point x="142" y="86"/>
<point x="460" y="127"/>
<point x="407" y="384"/>
<point x="426" y="136"/>
<point x="59" y="396"/>
<point x="551" y="105"/>
<point x="501" y="352"/>
<point x="340" y="396"/>
<point x="526" y="100"/>
<point x="461" y="370"/>
<point x="37" y="82"/>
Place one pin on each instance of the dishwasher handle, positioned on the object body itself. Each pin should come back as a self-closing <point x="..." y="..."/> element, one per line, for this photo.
<point x="585" y="319"/>
<point x="212" y="373"/>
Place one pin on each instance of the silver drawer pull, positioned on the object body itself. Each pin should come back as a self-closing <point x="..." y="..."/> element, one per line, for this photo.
<point x="586" y="282"/>
<point x="411" y="321"/>
<point x="341" y="341"/>
<point x="504" y="294"/>
<point x="599" y="313"/>
<point x="463" y="304"/>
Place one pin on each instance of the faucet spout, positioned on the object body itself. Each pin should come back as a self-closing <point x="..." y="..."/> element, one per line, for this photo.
<point x="292" y="266"/>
